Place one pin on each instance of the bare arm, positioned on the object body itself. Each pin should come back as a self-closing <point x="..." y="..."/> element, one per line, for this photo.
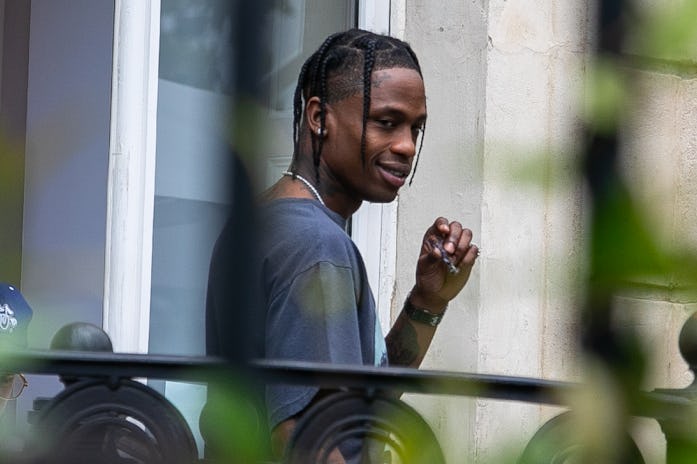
<point x="408" y="340"/>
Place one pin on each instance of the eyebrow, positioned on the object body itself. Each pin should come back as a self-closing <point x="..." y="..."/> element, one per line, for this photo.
<point x="395" y="111"/>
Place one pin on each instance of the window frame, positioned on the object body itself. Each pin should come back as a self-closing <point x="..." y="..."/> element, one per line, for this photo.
<point x="131" y="179"/>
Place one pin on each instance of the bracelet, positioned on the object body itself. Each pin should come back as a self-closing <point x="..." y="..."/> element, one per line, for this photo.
<point x="422" y="315"/>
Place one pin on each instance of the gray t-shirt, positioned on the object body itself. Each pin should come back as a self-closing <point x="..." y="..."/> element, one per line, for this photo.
<point x="319" y="306"/>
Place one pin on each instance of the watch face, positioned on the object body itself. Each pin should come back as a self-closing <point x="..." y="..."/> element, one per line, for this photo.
<point x="422" y="315"/>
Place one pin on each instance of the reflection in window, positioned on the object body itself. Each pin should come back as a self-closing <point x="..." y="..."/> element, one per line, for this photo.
<point x="195" y="40"/>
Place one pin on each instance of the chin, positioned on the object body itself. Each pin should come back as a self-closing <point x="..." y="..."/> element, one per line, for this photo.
<point x="382" y="198"/>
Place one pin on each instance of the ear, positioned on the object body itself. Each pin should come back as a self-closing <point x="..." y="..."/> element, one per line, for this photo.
<point x="313" y="114"/>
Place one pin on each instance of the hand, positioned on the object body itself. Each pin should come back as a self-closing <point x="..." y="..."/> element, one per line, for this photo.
<point x="436" y="285"/>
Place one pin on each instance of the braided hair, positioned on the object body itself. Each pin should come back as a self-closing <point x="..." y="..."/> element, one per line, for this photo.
<point x="341" y="67"/>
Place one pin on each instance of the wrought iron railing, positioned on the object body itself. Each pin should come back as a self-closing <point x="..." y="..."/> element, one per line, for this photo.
<point x="366" y="406"/>
<point x="107" y="402"/>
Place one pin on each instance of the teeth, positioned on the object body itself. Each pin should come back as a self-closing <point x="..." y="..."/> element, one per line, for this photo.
<point x="396" y="173"/>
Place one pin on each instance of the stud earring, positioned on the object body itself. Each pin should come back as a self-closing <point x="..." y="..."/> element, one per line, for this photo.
<point x="319" y="132"/>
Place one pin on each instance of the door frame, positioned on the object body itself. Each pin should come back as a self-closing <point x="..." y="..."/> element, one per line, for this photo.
<point x="131" y="179"/>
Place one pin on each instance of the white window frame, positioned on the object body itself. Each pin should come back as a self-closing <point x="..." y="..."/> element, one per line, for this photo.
<point x="131" y="179"/>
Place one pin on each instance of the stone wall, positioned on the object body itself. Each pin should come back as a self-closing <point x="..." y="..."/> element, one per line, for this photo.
<point x="505" y="86"/>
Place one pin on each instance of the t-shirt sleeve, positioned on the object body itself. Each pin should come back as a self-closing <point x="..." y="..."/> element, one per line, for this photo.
<point x="314" y="319"/>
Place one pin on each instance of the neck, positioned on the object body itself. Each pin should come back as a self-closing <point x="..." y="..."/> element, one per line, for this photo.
<point x="329" y="188"/>
<point x="313" y="190"/>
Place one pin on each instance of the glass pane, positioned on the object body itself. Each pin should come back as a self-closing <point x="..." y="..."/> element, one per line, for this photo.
<point x="191" y="188"/>
<point x="192" y="160"/>
<point x="190" y="183"/>
<point x="297" y="29"/>
<point x="194" y="44"/>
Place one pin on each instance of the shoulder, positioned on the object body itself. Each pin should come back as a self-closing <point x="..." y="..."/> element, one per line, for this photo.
<point x="299" y="234"/>
<point x="302" y="222"/>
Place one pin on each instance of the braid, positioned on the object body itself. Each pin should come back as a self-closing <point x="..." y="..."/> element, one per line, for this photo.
<point x="413" y="57"/>
<point x="423" y="129"/>
<point x="416" y="161"/>
<point x="314" y="60"/>
<point x="342" y="66"/>
<point x="322" y="118"/>
<point x="298" y="108"/>
<point x="369" y="62"/>
<point x="319" y="64"/>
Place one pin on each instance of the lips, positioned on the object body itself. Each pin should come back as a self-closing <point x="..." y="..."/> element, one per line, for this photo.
<point x="394" y="174"/>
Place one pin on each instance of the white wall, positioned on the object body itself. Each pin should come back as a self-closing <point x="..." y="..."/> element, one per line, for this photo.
<point x="502" y="82"/>
<point x="531" y="206"/>
<point x="450" y="41"/>
<point x="659" y="161"/>
<point x="505" y="86"/>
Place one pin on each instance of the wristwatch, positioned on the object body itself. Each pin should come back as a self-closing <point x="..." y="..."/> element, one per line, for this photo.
<point x="422" y="315"/>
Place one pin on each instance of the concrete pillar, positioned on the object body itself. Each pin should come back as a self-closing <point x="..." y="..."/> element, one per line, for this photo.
<point x="503" y="84"/>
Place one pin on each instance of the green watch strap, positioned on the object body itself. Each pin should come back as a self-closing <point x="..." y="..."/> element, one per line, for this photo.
<point x="422" y="315"/>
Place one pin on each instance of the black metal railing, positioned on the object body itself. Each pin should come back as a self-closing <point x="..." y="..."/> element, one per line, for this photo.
<point x="107" y="402"/>
<point x="362" y="391"/>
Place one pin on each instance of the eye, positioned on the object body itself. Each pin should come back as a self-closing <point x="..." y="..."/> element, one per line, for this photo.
<point x="417" y="130"/>
<point x="386" y="123"/>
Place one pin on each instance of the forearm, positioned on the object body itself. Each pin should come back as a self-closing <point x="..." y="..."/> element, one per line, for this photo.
<point x="409" y="340"/>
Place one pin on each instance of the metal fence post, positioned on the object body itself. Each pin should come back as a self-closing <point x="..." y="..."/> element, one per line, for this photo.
<point x="681" y="439"/>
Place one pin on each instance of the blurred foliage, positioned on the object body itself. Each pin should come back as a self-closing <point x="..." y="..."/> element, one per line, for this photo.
<point x="623" y="250"/>
<point x="8" y="363"/>
<point x="246" y="126"/>
<point x="666" y="30"/>
<point x="231" y="424"/>
<point x="606" y="96"/>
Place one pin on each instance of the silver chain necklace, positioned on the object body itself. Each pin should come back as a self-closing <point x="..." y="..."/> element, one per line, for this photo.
<point x="307" y="184"/>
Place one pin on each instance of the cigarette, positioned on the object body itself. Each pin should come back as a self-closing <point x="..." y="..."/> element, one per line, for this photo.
<point x="444" y="255"/>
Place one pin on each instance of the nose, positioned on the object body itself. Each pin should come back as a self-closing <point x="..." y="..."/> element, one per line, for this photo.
<point x="404" y="142"/>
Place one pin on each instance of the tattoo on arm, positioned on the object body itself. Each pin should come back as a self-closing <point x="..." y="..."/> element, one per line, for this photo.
<point x="402" y="343"/>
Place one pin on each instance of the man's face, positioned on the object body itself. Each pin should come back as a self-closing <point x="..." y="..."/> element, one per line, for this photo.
<point x="397" y="115"/>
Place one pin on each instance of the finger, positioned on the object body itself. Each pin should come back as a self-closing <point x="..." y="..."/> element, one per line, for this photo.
<point x="452" y="241"/>
<point x="465" y="241"/>
<point x="435" y="236"/>
<point x="444" y="256"/>
<point x="463" y="247"/>
<point x="471" y="254"/>
<point x="441" y="226"/>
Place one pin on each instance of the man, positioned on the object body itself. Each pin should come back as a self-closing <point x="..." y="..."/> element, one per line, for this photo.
<point x="15" y="315"/>
<point x="359" y="112"/>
